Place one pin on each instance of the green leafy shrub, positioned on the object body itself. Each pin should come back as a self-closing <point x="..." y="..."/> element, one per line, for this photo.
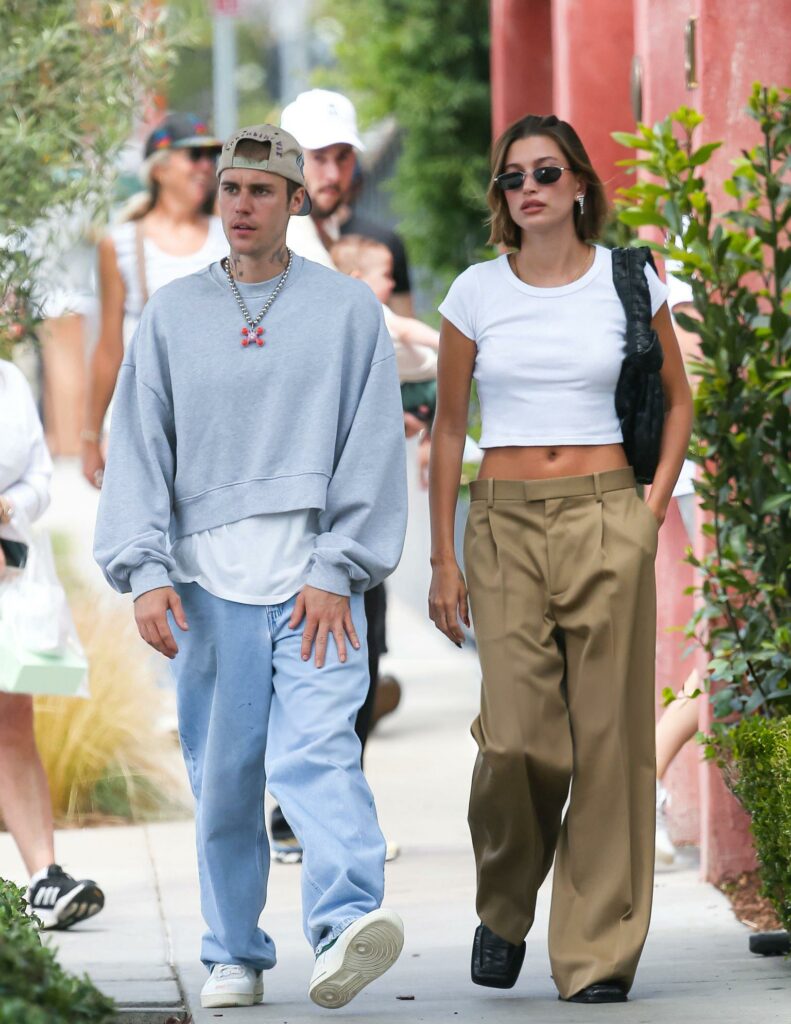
<point x="756" y="758"/>
<point x="738" y="264"/>
<point x="34" y="988"/>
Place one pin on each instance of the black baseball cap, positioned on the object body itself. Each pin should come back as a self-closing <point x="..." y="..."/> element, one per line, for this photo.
<point x="181" y="131"/>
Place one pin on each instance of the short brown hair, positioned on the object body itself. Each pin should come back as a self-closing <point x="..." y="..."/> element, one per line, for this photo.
<point x="589" y="223"/>
<point x="350" y="253"/>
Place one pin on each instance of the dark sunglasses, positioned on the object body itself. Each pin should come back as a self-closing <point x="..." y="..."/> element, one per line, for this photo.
<point x="515" y="179"/>
<point x="197" y="153"/>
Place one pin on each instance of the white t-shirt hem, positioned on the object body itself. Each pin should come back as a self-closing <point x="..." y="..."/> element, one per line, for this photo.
<point x="548" y="442"/>
<point x="228" y="595"/>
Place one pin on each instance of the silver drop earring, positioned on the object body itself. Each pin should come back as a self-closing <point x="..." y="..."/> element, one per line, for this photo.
<point x="581" y="201"/>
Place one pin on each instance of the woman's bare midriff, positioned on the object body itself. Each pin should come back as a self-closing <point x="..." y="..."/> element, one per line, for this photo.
<point x="544" y="463"/>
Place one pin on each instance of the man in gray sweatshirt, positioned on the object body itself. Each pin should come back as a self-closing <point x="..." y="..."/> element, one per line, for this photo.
<point x="255" y="487"/>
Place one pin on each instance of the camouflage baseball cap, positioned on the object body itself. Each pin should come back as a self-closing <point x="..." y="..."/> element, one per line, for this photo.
<point x="285" y="156"/>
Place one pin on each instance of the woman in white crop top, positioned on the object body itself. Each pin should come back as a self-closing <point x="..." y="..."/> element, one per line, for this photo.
<point x="173" y="233"/>
<point x="558" y="555"/>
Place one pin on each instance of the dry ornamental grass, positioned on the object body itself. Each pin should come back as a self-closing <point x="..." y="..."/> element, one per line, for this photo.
<point x="106" y="757"/>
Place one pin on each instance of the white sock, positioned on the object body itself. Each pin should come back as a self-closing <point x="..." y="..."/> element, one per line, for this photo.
<point x="39" y="875"/>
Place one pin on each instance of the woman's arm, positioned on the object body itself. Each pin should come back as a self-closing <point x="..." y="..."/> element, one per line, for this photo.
<point x="106" y="360"/>
<point x="28" y="497"/>
<point x="678" y="416"/>
<point x="448" y="594"/>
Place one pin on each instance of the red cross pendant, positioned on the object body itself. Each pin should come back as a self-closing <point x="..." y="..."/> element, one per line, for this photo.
<point x="257" y="336"/>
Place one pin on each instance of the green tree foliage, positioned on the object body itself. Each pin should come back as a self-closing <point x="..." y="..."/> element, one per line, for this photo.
<point x="739" y="266"/>
<point x="72" y="78"/>
<point x="426" y="62"/>
<point x="189" y="87"/>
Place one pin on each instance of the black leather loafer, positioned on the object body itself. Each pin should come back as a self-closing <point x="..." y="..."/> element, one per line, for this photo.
<point x="601" y="992"/>
<point x="496" y="963"/>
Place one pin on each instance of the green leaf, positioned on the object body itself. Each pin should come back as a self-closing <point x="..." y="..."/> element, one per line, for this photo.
<point x="700" y="156"/>
<point x="641" y="218"/>
<point x="630" y="140"/>
<point x="775" y="503"/>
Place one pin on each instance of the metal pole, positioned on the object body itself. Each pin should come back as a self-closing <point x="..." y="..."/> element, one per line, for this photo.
<point x="224" y="74"/>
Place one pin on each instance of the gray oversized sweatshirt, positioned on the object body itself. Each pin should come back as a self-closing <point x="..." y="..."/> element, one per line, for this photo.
<point x="206" y="432"/>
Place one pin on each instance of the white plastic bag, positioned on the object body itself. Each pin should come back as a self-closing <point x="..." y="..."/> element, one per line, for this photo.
<point x="40" y="651"/>
<point x="35" y="610"/>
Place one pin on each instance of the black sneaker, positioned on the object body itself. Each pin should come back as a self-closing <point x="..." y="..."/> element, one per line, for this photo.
<point x="286" y="848"/>
<point x="59" y="901"/>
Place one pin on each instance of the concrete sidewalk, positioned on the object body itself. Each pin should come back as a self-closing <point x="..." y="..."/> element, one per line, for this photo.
<point x="143" y="948"/>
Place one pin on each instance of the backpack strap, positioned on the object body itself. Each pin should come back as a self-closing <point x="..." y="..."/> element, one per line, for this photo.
<point x="140" y="261"/>
<point x="628" y="274"/>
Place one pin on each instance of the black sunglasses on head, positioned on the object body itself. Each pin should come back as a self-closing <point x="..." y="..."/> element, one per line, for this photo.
<point x="515" y="179"/>
<point x="197" y="153"/>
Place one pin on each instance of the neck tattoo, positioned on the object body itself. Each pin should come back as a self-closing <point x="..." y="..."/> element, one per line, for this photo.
<point x="253" y="331"/>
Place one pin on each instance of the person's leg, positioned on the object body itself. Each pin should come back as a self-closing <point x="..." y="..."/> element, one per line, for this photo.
<point x="313" y="770"/>
<point x="374" y="617"/>
<point x="287" y="847"/>
<point x="224" y="689"/>
<point x="25" y="804"/>
<point x="602" y="555"/>
<point x="522" y="771"/>
<point x="678" y="724"/>
<point x="58" y="900"/>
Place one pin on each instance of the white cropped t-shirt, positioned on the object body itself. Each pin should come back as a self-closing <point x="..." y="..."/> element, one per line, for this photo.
<point x="548" y="359"/>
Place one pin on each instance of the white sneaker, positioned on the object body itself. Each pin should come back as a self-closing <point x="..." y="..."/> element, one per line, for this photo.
<point x="665" y="850"/>
<point x="360" y="954"/>
<point x="232" y="985"/>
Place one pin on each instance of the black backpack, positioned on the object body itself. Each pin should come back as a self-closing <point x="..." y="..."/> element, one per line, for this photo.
<point x="639" y="397"/>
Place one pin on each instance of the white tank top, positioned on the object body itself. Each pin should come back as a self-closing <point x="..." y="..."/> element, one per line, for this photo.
<point x="161" y="267"/>
<point x="548" y="359"/>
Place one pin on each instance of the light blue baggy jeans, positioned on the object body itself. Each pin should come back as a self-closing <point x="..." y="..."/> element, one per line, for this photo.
<point x="252" y="714"/>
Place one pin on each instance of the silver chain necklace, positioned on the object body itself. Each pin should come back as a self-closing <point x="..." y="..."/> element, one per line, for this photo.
<point x="253" y="332"/>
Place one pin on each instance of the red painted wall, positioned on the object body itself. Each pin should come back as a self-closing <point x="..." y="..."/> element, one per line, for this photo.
<point x="592" y="46"/>
<point x="674" y="609"/>
<point x="521" y="60"/>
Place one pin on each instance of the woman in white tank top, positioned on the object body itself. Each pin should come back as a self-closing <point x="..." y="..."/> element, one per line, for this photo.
<point x="558" y="555"/>
<point x="174" y="233"/>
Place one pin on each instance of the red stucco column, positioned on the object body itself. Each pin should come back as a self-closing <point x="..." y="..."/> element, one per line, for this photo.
<point x="521" y="60"/>
<point x="738" y="44"/>
<point x="592" y="46"/>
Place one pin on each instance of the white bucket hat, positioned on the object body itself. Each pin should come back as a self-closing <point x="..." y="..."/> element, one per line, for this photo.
<point x="320" y="118"/>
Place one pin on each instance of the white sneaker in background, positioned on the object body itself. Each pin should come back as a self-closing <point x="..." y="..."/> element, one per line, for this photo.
<point x="360" y="954"/>
<point x="665" y="850"/>
<point x="232" y="985"/>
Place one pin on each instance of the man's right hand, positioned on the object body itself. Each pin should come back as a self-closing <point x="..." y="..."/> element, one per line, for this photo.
<point x="92" y="463"/>
<point x="151" y="616"/>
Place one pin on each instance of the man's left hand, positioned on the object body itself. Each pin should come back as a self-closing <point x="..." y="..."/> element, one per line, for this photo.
<point x="324" y="613"/>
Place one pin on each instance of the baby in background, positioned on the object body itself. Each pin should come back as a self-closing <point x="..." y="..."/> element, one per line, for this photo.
<point x="416" y="344"/>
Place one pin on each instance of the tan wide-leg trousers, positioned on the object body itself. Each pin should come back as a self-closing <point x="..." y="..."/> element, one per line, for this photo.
<point x="561" y="580"/>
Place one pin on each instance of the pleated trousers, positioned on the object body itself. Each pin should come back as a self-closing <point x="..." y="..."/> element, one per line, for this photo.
<point x="561" y="581"/>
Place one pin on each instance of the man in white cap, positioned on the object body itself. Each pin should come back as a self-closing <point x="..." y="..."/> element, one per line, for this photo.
<point x="325" y="125"/>
<point x="255" y="487"/>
